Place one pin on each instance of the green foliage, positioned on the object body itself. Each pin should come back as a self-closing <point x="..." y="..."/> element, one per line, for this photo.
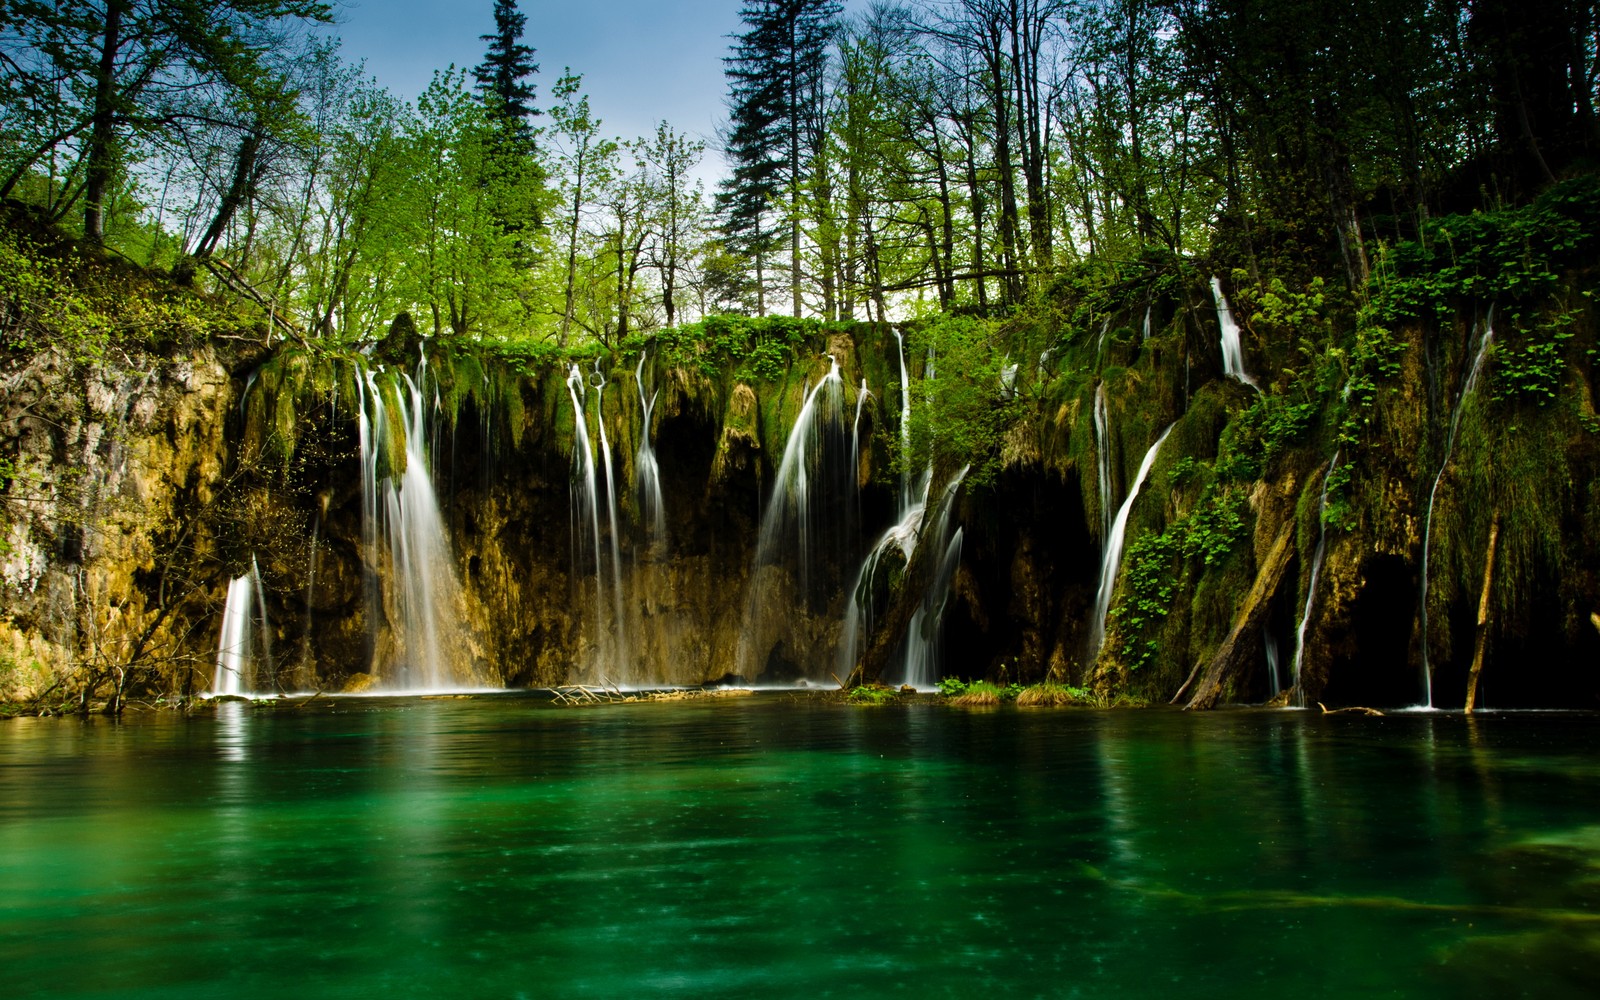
<point x="755" y="349"/>
<point x="54" y="295"/>
<point x="1183" y="471"/>
<point x="1053" y="695"/>
<point x="958" y="416"/>
<point x="872" y="694"/>
<point x="1339" y="512"/>
<point x="1260" y="434"/>
<point x="1158" y="564"/>
<point x="952" y="687"/>
<point x="1305" y="313"/>
<point x="1515" y="254"/>
<point x="1512" y="258"/>
<point x="983" y="693"/>
<point x="1530" y="356"/>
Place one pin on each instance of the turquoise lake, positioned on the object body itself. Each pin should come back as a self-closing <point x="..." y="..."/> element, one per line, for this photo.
<point x="775" y="845"/>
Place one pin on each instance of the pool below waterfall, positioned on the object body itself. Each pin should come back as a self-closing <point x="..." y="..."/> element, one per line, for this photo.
<point x="779" y="845"/>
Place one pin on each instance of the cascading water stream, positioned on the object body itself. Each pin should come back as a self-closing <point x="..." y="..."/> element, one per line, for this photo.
<point x="244" y="396"/>
<point x="586" y="507"/>
<point x="855" y="431"/>
<point x="1269" y="643"/>
<point x="647" y="472"/>
<point x="1311" y="584"/>
<point x="244" y="617"/>
<point x="401" y="515"/>
<point x="858" y="606"/>
<point x="1147" y="320"/>
<point x="922" y="636"/>
<point x="1102" y="448"/>
<point x="1232" y="347"/>
<point x="814" y="451"/>
<point x="1112" y="558"/>
<point x="1485" y="341"/>
<point x="621" y="658"/>
<point x="822" y="408"/>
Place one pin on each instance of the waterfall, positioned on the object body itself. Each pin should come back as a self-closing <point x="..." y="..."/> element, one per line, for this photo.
<point x="244" y="396"/>
<point x="1102" y="449"/>
<point x="1100" y="342"/>
<point x="1269" y="644"/>
<point x="647" y="473"/>
<point x="1232" y="349"/>
<point x="821" y="411"/>
<point x="1311" y="584"/>
<point x="922" y="636"/>
<point x="401" y="519"/>
<point x="807" y="516"/>
<point x="243" y="617"/>
<point x="609" y="649"/>
<point x="1008" y="378"/>
<point x="1112" y="558"/>
<point x="586" y="503"/>
<point x="855" y="432"/>
<point x="1147" y="320"/>
<point x="1485" y="341"/>
<point x="902" y="537"/>
<point x="621" y="659"/>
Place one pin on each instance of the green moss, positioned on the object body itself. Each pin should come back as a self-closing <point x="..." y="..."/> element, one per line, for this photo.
<point x="872" y="694"/>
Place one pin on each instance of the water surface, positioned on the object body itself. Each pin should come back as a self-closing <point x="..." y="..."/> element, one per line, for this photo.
<point x="502" y="847"/>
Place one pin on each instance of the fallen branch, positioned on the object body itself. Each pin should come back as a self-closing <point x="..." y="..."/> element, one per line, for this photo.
<point x="303" y="704"/>
<point x="1352" y="710"/>
<point x="229" y="277"/>
<point x="1192" y="675"/>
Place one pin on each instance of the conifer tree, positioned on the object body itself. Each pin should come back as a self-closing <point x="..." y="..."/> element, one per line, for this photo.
<point x="775" y="78"/>
<point x="503" y="75"/>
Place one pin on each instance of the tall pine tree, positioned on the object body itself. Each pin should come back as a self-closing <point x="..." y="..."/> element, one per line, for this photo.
<point x="775" y="77"/>
<point x="503" y="75"/>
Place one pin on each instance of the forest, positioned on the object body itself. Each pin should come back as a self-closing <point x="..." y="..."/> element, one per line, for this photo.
<point x="902" y="159"/>
<point x="1023" y="242"/>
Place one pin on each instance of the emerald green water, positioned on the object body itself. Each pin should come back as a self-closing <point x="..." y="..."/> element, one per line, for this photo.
<point x="500" y="847"/>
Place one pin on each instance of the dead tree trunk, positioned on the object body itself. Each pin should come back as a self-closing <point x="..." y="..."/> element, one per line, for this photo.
<point x="1483" y="615"/>
<point x="1229" y="656"/>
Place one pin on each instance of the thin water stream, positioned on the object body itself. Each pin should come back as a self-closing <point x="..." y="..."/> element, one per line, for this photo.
<point x="1485" y="341"/>
<point x="1111" y="557"/>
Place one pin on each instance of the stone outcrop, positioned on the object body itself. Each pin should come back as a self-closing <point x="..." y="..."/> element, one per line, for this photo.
<point x="143" y="482"/>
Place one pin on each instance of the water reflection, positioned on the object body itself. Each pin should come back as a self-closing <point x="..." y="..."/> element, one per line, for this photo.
<point x="792" y="849"/>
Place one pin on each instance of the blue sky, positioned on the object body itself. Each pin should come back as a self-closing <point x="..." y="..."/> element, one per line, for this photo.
<point x="641" y="61"/>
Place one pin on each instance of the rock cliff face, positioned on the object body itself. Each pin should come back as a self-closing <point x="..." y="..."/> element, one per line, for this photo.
<point x="118" y="482"/>
<point x="142" y="485"/>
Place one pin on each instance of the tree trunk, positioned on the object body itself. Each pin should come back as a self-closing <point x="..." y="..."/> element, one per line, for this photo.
<point x="244" y="172"/>
<point x="1483" y="616"/>
<point x="1230" y="657"/>
<point x="103" y="125"/>
<point x="572" y="249"/>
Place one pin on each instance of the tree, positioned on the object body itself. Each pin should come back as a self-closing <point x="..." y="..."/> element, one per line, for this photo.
<point x="587" y="160"/>
<point x="669" y="156"/>
<point x="502" y="76"/>
<point x="130" y="69"/>
<point x="776" y="123"/>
